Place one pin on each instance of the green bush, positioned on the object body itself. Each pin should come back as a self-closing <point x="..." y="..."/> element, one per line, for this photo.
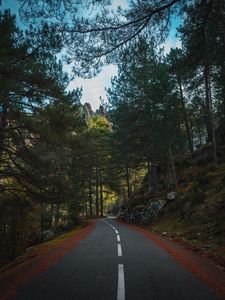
<point x="223" y="179"/>
<point x="196" y="197"/>
<point x="203" y="179"/>
<point x="218" y="186"/>
<point x="17" y="225"/>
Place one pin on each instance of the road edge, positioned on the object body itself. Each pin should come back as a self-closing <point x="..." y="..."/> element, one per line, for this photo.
<point x="200" y="266"/>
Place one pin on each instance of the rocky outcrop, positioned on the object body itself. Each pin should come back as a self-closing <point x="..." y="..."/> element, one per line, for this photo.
<point x="88" y="112"/>
<point x="142" y="214"/>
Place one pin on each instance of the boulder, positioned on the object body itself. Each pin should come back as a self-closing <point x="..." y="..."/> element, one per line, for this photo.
<point x="47" y="235"/>
<point x="171" y="196"/>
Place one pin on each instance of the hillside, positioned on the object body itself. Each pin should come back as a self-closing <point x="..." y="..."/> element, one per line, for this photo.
<point x="197" y="214"/>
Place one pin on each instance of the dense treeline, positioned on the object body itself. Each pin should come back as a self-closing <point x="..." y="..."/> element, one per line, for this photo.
<point x="59" y="162"/>
<point x="165" y="105"/>
<point x="52" y="159"/>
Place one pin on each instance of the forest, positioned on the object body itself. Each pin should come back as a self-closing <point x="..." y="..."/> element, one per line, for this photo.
<point x="61" y="163"/>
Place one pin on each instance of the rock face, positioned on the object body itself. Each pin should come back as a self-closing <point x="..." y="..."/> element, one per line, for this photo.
<point x="88" y="112"/>
<point x="142" y="214"/>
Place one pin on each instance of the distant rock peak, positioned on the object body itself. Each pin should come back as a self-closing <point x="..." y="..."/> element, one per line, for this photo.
<point x="88" y="112"/>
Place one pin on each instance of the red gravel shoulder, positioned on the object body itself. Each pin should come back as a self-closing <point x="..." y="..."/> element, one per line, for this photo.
<point x="38" y="259"/>
<point x="202" y="267"/>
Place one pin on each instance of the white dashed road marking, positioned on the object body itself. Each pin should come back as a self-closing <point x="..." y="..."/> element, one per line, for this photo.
<point x="121" y="283"/>
<point x="119" y="250"/>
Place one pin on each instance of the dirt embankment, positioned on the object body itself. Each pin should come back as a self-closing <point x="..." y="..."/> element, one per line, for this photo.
<point x="197" y="216"/>
<point x="37" y="259"/>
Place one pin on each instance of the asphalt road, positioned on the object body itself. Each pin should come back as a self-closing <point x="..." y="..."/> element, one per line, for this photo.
<point x="116" y="263"/>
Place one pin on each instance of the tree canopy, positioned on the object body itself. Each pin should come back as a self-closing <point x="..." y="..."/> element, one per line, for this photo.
<point x="59" y="161"/>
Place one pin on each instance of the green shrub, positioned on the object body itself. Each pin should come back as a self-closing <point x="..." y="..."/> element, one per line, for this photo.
<point x="196" y="197"/>
<point x="223" y="179"/>
<point x="210" y="168"/>
<point x="199" y="197"/>
<point x="218" y="186"/>
<point x="203" y="179"/>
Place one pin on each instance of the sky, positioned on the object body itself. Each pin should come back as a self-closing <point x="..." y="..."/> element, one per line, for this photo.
<point x="95" y="87"/>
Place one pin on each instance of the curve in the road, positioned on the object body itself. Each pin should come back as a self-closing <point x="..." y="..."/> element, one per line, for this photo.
<point x="94" y="271"/>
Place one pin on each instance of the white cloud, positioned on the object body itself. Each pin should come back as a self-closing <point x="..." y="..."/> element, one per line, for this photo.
<point x="94" y="87"/>
<point x="122" y="3"/>
<point x="178" y="44"/>
<point x="168" y="45"/>
<point x="171" y="43"/>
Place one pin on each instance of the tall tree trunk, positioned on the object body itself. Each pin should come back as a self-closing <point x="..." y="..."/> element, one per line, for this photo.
<point x="90" y="198"/>
<point x="85" y="212"/>
<point x="209" y="116"/>
<point x="154" y="179"/>
<point x="149" y="176"/>
<point x="199" y="135"/>
<point x="187" y="127"/>
<point x="42" y="216"/>
<point x="222" y="75"/>
<point x="13" y="236"/>
<point x="124" y="195"/>
<point x="173" y="166"/>
<point x="51" y="215"/>
<point x="128" y="181"/>
<point x="3" y="123"/>
<point x="97" y="193"/>
<point x="101" y="195"/>
<point x="57" y="214"/>
<point x="135" y="181"/>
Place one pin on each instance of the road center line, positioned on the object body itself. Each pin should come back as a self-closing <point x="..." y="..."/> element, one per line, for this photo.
<point x="118" y="238"/>
<point x="119" y="249"/>
<point x="109" y="224"/>
<point x="121" y="283"/>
